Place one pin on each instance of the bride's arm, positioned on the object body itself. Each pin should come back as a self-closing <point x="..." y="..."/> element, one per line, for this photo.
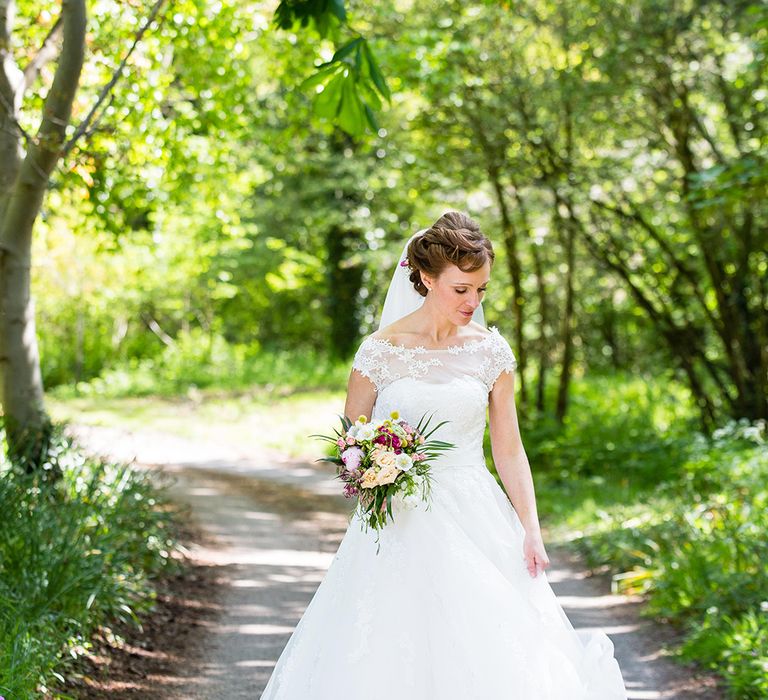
<point x="513" y="466"/>
<point x="361" y="395"/>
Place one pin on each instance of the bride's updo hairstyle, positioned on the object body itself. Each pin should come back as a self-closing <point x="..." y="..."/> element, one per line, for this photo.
<point x="453" y="239"/>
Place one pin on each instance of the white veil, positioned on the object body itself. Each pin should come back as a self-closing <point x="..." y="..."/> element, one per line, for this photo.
<point x="402" y="298"/>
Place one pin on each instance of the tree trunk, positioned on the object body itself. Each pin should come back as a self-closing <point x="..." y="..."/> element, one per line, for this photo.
<point x="26" y="181"/>
<point x="513" y="263"/>
<point x="344" y="283"/>
<point x="543" y="300"/>
<point x="566" y="229"/>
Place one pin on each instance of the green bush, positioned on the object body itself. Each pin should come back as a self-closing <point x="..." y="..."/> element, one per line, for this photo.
<point x="76" y="553"/>
<point x="737" y="646"/>
<point x="698" y="548"/>
<point x="198" y="361"/>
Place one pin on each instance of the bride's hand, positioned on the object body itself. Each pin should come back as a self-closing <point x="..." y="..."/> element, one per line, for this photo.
<point x="535" y="556"/>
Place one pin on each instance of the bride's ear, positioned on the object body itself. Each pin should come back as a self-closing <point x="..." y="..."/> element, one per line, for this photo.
<point x="426" y="280"/>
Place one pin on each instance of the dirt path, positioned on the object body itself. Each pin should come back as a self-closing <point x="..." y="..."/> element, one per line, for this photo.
<point x="272" y="528"/>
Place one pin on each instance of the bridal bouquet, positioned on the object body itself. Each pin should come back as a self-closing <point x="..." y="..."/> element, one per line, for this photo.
<point x="384" y="461"/>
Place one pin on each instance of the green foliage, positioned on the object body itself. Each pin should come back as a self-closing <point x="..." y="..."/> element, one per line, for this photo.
<point x="697" y="548"/>
<point x="320" y="12"/>
<point x="75" y="554"/>
<point x="621" y="420"/>
<point x="736" y="645"/>
<point x="200" y="361"/>
<point x="352" y="87"/>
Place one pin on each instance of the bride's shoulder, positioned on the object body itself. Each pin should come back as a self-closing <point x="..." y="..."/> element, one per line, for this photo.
<point x="480" y="329"/>
<point x="398" y="333"/>
<point x="395" y="333"/>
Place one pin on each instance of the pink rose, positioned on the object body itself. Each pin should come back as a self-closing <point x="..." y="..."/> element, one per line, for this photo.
<point x="352" y="457"/>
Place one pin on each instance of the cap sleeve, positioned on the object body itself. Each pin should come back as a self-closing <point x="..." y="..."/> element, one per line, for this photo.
<point x="371" y="363"/>
<point x="500" y="359"/>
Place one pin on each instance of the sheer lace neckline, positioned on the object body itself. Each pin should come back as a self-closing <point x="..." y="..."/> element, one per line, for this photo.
<point x="456" y="348"/>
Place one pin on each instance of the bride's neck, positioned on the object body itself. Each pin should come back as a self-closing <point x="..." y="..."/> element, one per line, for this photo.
<point x="433" y="325"/>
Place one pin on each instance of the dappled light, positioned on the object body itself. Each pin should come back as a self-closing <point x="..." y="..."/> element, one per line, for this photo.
<point x="207" y="213"/>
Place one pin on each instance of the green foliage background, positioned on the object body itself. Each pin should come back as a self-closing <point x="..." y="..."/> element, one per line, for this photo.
<point x="230" y="223"/>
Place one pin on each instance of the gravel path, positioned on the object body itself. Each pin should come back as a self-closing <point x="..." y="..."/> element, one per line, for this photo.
<point x="273" y="527"/>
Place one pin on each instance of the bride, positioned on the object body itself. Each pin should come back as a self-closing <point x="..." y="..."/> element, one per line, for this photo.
<point x="456" y="604"/>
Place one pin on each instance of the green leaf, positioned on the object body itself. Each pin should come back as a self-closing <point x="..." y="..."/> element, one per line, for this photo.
<point x="346" y="50"/>
<point x="337" y="8"/>
<point x="351" y="117"/>
<point x="320" y="77"/>
<point x="328" y="101"/>
<point x="371" y="119"/>
<point x="376" y="75"/>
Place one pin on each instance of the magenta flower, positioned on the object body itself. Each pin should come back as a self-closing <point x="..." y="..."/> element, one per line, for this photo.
<point x="390" y="439"/>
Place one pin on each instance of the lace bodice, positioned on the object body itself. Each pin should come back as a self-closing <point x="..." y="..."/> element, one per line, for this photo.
<point x="453" y="382"/>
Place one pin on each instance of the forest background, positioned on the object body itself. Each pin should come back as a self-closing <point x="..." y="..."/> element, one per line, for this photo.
<point x="221" y="234"/>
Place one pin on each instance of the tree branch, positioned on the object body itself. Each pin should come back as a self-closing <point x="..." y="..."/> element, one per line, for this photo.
<point x="10" y="112"/>
<point x="26" y="197"/>
<point x="680" y="337"/>
<point x="107" y="89"/>
<point x="46" y="53"/>
<point x="635" y="216"/>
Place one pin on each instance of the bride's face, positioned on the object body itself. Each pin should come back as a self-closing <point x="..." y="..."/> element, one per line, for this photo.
<point x="457" y="294"/>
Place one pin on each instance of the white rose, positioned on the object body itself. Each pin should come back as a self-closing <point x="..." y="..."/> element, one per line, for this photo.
<point x="387" y="475"/>
<point x="403" y="462"/>
<point x="411" y="501"/>
<point x="404" y="501"/>
<point x="385" y="458"/>
<point x="366" y="432"/>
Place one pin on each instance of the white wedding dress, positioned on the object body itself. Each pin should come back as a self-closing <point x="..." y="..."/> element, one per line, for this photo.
<point x="447" y="609"/>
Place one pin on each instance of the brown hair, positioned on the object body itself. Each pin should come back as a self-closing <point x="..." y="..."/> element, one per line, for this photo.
<point x="453" y="239"/>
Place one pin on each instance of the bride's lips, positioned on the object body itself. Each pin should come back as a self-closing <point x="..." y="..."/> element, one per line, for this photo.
<point x="468" y="314"/>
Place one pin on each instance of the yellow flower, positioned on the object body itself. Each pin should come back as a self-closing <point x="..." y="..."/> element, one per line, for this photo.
<point x="362" y="419"/>
<point x="394" y="415"/>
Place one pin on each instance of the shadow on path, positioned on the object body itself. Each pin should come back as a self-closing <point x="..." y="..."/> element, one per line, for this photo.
<point x="272" y="530"/>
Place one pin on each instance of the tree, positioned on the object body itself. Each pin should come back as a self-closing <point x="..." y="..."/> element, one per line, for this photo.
<point x="29" y="160"/>
<point x="24" y="172"/>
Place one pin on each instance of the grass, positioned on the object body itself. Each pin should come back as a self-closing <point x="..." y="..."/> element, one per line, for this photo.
<point x="196" y="363"/>
<point x="76" y="553"/>
<point x="249" y="422"/>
